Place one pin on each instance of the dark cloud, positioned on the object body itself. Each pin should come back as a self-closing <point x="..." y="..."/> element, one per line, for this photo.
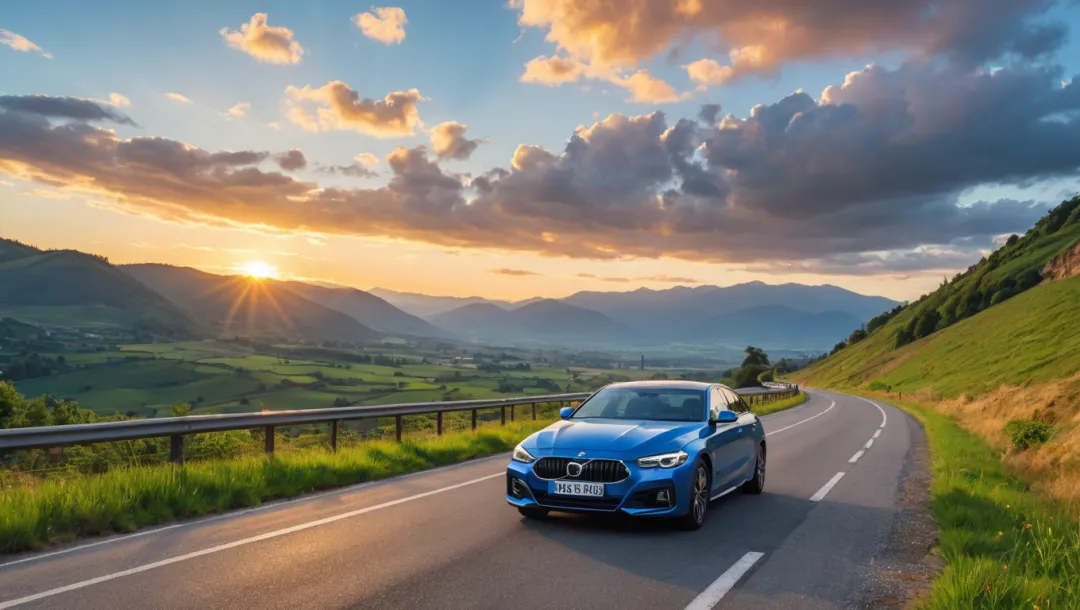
<point x="60" y="107"/>
<point x="354" y="170"/>
<point x="760" y="37"/>
<point x="292" y="160"/>
<point x="513" y="272"/>
<point x="866" y="179"/>
<point x="708" y="113"/>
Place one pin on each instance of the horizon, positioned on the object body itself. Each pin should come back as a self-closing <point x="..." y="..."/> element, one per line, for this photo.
<point x="353" y="146"/>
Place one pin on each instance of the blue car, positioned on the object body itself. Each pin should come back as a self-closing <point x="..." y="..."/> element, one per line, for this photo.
<point x="642" y="448"/>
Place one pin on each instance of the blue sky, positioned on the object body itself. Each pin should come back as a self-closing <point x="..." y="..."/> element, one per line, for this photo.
<point x="466" y="58"/>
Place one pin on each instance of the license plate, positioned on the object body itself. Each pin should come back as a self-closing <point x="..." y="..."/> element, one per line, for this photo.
<point x="577" y="488"/>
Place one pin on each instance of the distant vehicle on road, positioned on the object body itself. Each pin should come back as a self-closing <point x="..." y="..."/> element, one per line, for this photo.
<point x="642" y="448"/>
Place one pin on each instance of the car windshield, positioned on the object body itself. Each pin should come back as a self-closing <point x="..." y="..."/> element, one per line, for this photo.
<point x="660" y="404"/>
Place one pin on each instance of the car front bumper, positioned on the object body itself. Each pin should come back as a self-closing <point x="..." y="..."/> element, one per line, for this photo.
<point x="636" y="495"/>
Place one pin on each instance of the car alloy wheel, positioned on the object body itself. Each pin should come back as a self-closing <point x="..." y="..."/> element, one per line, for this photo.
<point x="699" y="499"/>
<point x="756" y="484"/>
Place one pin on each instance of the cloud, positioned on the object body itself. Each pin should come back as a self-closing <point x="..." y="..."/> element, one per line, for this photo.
<point x="387" y="25"/>
<point x="359" y="168"/>
<point x="867" y="178"/>
<point x="47" y="194"/>
<point x="21" y="43"/>
<point x="118" y="100"/>
<point x="367" y="159"/>
<point x="273" y="45"/>
<point x="238" y="110"/>
<point x="593" y="276"/>
<point x="552" y="71"/>
<point x="709" y="72"/>
<point x="58" y="107"/>
<point x="760" y="37"/>
<point x="513" y="272"/>
<point x="448" y="141"/>
<point x="645" y="88"/>
<point x="176" y="97"/>
<point x="660" y="279"/>
<point x="339" y="107"/>
<point x="291" y="161"/>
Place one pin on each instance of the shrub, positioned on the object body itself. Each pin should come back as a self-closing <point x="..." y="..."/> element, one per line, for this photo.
<point x="1026" y="433"/>
<point x="877" y="385"/>
<point x="768" y="375"/>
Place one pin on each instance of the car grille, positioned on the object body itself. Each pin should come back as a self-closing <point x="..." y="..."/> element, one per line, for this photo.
<point x="560" y="501"/>
<point x="593" y="471"/>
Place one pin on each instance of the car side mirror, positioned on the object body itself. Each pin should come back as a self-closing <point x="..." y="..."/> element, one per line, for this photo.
<point x="725" y="417"/>
<point x="566" y="412"/>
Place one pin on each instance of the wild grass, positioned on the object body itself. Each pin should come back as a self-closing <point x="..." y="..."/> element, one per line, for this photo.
<point x="780" y="405"/>
<point x="1004" y="546"/>
<point x="126" y="499"/>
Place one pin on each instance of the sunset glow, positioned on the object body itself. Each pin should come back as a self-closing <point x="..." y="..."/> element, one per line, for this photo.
<point x="259" y="270"/>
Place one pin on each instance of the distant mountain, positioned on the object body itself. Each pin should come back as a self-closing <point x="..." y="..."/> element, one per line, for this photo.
<point x="426" y="306"/>
<point x="366" y="308"/>
<point x="775" y="326"/>
<point x="234" y="305"/>
<point x="664" y="311"/>
<point x="69" y="288"/>
<point x="546" y="322"/>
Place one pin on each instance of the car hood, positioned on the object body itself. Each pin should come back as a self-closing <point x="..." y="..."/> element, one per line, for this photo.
<point x="615" y="435"/>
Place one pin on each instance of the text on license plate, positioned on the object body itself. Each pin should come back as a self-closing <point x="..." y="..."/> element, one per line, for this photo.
<point x="577" y="488"/>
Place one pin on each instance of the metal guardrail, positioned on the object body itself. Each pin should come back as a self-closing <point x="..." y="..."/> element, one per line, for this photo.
<point x="177" y="427"/>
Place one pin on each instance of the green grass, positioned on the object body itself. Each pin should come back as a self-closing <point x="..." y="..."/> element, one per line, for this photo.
<point x="1003" y="547"/>
<point x="780" y="405"/>
<point x="1031" y="338"/>
<point x="125" y="499"/>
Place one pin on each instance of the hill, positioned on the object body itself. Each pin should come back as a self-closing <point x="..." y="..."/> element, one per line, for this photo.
<point x="427" y="306"/>
<point x="11" y="249"/>
<point x="667" y="310"/>
<point x="366" y="308"/>
<point x="234" y="305"/>
<point x="772" y="326"/>
<point x="69" y="288"/>
<point x="546" y="322"/>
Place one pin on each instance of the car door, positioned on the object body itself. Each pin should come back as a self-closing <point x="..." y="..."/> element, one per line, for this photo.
<point x="723" y="443"/>
<point x="745" y="444"/>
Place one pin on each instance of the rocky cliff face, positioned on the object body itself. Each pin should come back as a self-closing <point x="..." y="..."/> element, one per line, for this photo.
<point x="1064" y="265"/>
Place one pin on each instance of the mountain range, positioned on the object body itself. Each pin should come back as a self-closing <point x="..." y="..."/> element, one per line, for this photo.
<point x="72" y="288"/>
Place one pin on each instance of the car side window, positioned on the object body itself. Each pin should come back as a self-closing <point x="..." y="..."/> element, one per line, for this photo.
<point x="717" y="402"/>
<point x="734" y="402"/>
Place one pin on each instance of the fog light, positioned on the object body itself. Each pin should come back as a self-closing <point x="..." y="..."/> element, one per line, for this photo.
<point x="663" y="497"/>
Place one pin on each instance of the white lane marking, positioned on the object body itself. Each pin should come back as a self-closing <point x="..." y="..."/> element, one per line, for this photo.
<point x="720" y="587"/>
<point x="855" y="458"/>
<point x="230" y="545"/>
<point x="878" y="433"/>
<point x="832" y="403"/>
<point x="869" y="443"/>
<point x="817" y="497"/>
<point x="884" y="417"/>
<point x="247" y="511"/>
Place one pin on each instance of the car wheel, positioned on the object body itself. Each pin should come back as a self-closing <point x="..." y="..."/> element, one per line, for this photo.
<point x="532" y="512"/>
<point x="699" y="499"/>
<point x="757" y="484"/>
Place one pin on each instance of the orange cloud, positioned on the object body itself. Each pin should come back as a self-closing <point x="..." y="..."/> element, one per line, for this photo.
<point x="342" y="108"/>
<point x="709" y="72"/>
<point x="552" y="70"/>
<point x="273" y="45"/>
<point x="20" y="43"/>
<point x="366" y="159"/>
<point x="385" y="26"/>
<point x="645" y="88"/>
<point x="176" y="97"/>
<point x="448" y="140"/>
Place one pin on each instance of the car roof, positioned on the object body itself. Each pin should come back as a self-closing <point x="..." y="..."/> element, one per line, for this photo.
<point x="674" y="384"/>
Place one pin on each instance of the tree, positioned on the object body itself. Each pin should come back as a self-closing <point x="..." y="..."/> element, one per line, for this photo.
<point x="838" y="347"/>
<point x="767" y="375"/>
<point x="857" y="335"/>
<point x="755" y="356"/>
<point x="927" y="323"/>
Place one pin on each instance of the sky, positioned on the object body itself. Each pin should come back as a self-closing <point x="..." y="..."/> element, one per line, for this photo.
<point x="541" y="147"/>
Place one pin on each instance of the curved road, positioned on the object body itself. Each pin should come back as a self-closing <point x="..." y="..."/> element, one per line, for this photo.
<point x="446" y="539"/>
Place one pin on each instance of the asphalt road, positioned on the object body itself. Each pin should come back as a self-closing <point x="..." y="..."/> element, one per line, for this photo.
<point x="446" y="539"/>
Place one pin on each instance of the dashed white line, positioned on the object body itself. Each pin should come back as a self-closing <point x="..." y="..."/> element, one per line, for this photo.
<point x="832" y="403"/>
<point x="820" y="495"/>
<point x="855" y="458"/>
<point x="884" y="417"/>
<point x="878" y="433"/>
<point x="720" y="587"/>
<point x="869" y="443"/>
<point x="230" y="545"/>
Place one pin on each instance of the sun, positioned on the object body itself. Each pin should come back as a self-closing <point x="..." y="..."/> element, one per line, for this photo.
<point x="259" y="270"/>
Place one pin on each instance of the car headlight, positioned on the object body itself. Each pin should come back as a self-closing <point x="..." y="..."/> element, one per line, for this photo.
<point x="664" y="460"/>
<point x="520" y="455"/>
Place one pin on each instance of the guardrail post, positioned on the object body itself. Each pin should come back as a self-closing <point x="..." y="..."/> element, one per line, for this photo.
<point x="268" y="432"/>
<point x="438" y="419"/>
<point x="176" y="448"/>
<point x="534" y="411"/>
<point x="513" y="410"/>
<point x="502" y="415"/>
<point x="397" y="427"/>
<point x="333" y="435"/>
<point x="474" y="419"/>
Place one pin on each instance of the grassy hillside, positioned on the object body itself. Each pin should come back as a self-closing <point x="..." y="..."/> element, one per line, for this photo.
<point x="1031" y="338"/>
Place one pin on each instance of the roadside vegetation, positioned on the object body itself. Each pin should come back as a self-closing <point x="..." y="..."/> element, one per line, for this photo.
<point x="36" y="513"/>
<point x="766" y="408"/>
